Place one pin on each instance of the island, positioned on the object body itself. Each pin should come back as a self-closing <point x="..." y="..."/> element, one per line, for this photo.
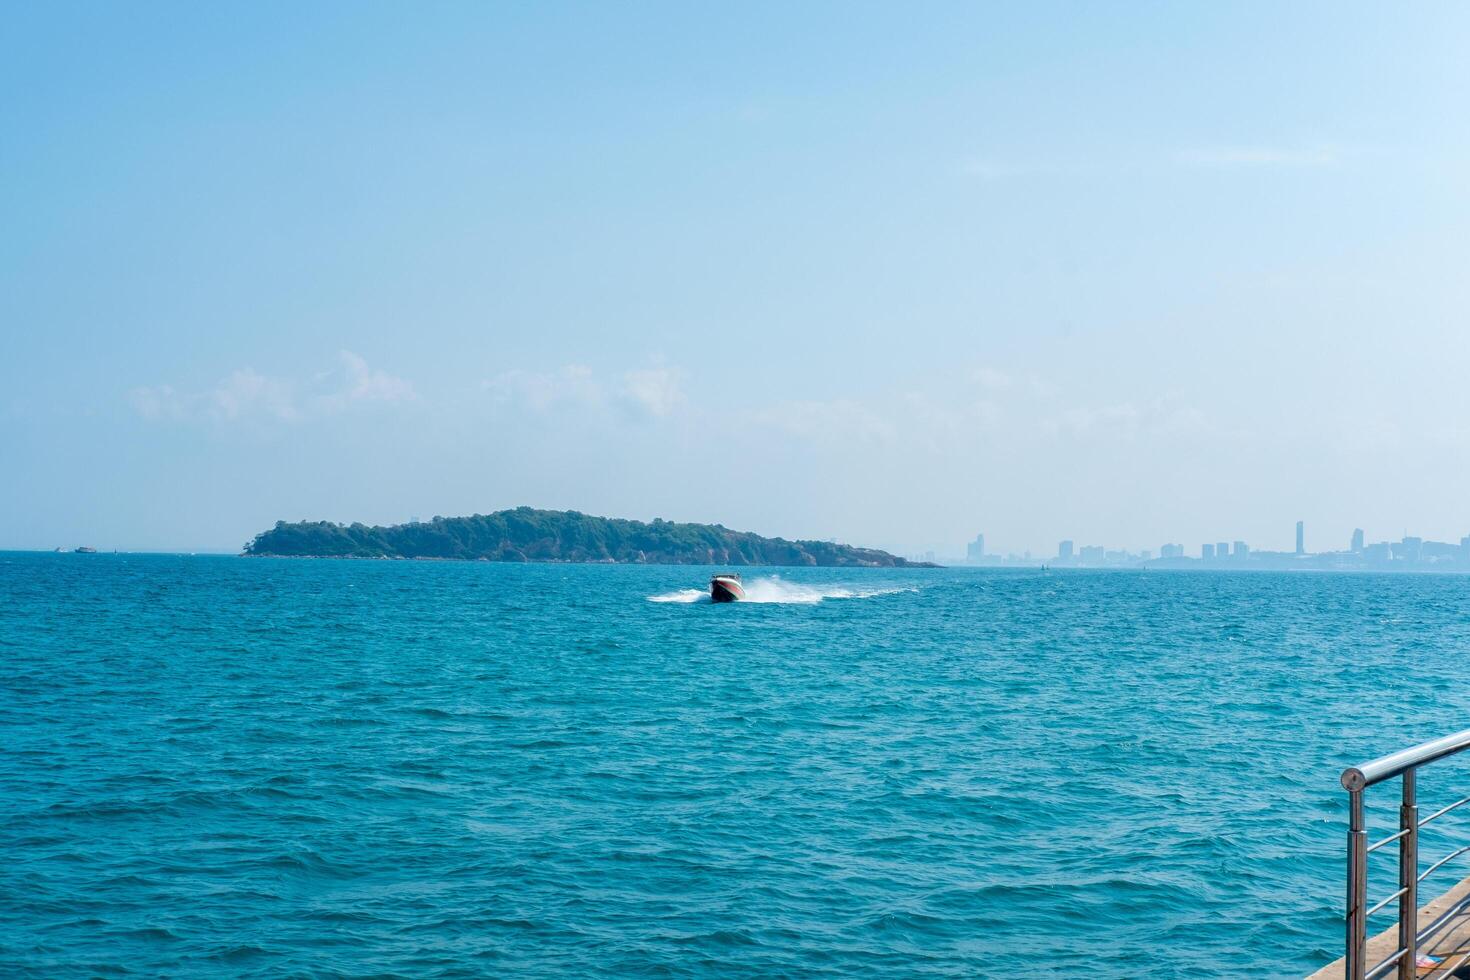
<point x="526" y="534"/>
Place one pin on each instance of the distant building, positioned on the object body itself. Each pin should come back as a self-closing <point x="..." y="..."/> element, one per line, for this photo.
<point x="1094" y="554"/>
<point x="1439" y="551"/>
<point x="1409" y="549"/>
<point x="1145" y="554"/>
<point x="1171" y="551"/>
<point x="1207" y="551"/>
<point x="1222" y="549"/>
<point x="1357" y="547"/>
<point x="1241" y="550"/>
<point x="1301" y="538"/>
<point x="1377" y="554"/>
<point x="1064" y="551"/>
<point x="975" y="550"/>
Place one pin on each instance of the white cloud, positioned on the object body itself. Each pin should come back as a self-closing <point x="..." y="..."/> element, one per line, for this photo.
<point x="542" y="391"/>
<point x="248" y="394"/>
<point x="1261" y="156"/>
<point x="952" y="421"/>
<point x="656" y="391"/>
<point x="367" y="384"/>
<point x="985" y="168"/>
<point x="991" y="379"/>
<point x="1128" y="420"/>
<point x="752" y="113"/>
<point x="823" y="421"/>
<point x="157" y="403"/>
<point x="1245" y="155"/>
<point x="1085" y="420"/>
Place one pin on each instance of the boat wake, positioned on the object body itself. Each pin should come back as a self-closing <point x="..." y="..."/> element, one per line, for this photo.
<point x="778" y="590"/>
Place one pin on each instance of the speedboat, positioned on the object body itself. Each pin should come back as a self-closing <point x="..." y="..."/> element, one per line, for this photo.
<point x="726" y="588"/>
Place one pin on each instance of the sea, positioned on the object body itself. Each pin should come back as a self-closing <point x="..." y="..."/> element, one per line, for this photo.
<point x="220" y="766"/>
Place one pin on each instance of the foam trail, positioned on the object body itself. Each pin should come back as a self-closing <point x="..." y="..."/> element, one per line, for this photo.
<point x="681" y="595"/>
<point x="774" y="589"/>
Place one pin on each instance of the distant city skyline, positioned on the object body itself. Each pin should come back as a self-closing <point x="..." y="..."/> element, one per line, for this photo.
<point x="1407" y="552"/>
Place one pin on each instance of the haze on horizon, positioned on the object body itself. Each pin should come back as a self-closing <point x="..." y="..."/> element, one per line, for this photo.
<point x="885" y="275"/>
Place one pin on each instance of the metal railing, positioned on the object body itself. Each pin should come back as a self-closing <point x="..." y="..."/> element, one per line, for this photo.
<point x="1355" y="780"/>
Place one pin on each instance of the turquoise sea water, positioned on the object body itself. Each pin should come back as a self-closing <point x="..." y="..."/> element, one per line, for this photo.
<point x="232" y="767"/>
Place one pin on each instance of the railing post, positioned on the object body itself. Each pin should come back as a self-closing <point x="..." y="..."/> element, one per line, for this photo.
<point x="1409" y="878"/>
<point x="1357" y="888"/>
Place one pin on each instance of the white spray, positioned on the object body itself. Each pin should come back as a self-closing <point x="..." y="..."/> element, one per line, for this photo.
<point x="776" y="590"/>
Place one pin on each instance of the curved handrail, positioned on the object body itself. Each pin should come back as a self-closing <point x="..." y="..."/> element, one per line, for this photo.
<point x="1357" y="778"/>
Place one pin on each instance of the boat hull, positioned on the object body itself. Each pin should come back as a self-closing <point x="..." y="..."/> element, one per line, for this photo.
<point x="724" y="589"/>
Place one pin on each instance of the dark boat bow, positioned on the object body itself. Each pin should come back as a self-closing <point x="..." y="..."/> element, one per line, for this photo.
<point x="726" y="588"/>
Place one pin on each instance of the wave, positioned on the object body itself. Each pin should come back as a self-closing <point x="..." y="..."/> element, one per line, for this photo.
<point x="774" y="589"/>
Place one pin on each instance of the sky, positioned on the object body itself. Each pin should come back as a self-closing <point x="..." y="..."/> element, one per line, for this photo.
<point x="890" y="274"/>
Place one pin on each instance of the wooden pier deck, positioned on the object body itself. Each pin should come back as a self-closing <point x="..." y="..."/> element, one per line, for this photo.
<point x="1451" y="945"/>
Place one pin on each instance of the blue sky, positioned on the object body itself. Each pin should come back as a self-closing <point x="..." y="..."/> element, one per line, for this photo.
<point x="889" y="274"/>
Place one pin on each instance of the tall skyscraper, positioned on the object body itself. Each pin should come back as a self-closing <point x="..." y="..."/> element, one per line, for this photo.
<point x="975" y="550"/>
<point x="1241" y="550"/>
<point x="1064" y="550"/>
<point x="1357" y="547"/>
<point x="1301" y="539"/>
<point x="1207" y="551"/>
<point x="1222" y="550"/>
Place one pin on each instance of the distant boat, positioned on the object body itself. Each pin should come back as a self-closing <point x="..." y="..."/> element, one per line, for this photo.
<point x="84" y="550"/>
<point x="726" y="588"/>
